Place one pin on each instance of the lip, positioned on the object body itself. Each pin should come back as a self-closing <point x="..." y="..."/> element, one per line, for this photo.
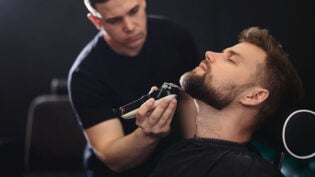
<point x="203" y="66"/>
<point x="134" y="38"/>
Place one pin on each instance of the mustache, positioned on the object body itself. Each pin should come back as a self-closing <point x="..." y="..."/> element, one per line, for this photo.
<point x="207" y="63"/>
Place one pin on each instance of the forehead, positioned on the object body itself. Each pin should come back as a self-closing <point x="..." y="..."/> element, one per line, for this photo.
<point x="113" y="8"/>
<point x="250" y="52"/>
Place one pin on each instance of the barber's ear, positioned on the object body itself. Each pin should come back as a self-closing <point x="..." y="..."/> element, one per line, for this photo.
<point x="95" y="20"/>
<point x="255" y="97"/>
<point x="144" y="3"/>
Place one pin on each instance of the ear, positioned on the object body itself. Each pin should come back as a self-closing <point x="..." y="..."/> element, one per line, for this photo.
<point x="95" y="20"/>
<point x="144" y="3"/>
<point x="255" y="96"/>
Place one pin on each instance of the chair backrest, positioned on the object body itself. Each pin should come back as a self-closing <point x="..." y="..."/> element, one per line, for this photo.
<point x="54" y="140"/>
<point x="298" y="134"/>
<point x="268" y="139"/>
<point x="290" y="146"/>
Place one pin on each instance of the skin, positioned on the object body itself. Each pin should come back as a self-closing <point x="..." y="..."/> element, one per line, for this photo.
<point x="235" y="66"/>
<point x="124" y="25"/>
<point x="109" y="142"/>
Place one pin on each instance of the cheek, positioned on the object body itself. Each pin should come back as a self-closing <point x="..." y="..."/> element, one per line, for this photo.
<point x="230" y="74"/>
<point x="141" y="18"/>
<point x="209" y="80"/>
<point x="222" y="78"/>
<point x="114" y="32"/>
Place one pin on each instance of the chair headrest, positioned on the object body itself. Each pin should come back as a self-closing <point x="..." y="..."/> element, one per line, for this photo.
<point x="58" y="86"/>
<point x="298" y="134"/>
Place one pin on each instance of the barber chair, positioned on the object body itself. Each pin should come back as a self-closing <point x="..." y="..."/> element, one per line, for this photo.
<point x="298" y="136"/>
<point x="54" y="142"/>
<point x="294" y="150"/>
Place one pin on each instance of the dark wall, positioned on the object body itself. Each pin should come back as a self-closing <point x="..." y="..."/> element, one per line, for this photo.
<point x="40" y="39"/>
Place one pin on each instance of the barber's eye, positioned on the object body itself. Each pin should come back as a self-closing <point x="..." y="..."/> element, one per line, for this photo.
<point x="134" y="10"/>
<point x="113" y="21"/>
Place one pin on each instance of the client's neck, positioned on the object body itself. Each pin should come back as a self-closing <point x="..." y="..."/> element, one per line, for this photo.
<point x="228" y="124"/>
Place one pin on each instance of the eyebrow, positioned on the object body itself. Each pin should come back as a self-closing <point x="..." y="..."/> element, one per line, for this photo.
<point x="113" y="18"/>
<point x="233" y="52"/>
<point x="121" y="17"/>
<point x="136" y="7"/>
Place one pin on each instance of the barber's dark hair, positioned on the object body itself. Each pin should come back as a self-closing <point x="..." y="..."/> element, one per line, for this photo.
<point x="278" y="75"/>
<point x="93" y="2"/>
<point x="90" y="5"/>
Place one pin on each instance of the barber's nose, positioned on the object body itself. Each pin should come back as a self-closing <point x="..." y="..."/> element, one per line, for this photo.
<point x="128" y="25"/>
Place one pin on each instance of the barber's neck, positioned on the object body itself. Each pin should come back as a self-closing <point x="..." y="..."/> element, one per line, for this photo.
<point x="230" y="123"/>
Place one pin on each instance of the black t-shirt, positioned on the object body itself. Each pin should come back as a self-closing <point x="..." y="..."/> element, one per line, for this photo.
<point x="202" y="157"/>
<point x="101" y="80"/>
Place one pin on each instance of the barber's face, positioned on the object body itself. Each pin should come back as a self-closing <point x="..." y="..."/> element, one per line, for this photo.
<point x="221" y="77"/>
<point x="124" y="22"/>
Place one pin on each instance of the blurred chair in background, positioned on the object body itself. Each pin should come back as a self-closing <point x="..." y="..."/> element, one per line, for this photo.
<point x="54" y="143"/>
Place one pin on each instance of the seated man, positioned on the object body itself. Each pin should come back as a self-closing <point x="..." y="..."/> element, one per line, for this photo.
<point x="234" y="91"/>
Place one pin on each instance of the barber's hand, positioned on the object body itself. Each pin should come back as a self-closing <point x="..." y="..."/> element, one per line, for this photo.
<point x="156" y="122"/>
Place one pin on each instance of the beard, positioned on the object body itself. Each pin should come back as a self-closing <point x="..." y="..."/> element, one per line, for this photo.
<point x="200" y="87"/>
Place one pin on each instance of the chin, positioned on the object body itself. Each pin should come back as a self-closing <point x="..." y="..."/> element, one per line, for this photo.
<point x="183" y="81"/>
<point x="136" y="45"/>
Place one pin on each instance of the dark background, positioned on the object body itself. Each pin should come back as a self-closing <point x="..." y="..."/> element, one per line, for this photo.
<point x="40" y="39"/>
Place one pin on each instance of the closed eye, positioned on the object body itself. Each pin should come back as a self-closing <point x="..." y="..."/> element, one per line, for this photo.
<point x="231" y="61"/>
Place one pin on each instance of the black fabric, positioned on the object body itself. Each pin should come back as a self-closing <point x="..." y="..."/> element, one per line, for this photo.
<point x="202" y="157"/>
<point x="101" y="80"/>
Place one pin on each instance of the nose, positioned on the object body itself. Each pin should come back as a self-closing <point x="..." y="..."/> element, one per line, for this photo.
<point x="210" y="56"/>
<point x="128" y="25"/>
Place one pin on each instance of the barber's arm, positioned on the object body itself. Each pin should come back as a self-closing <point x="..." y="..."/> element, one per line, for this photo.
<point x="121" y="152"/>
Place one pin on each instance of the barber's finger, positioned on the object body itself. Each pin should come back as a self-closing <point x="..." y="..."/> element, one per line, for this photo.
<point x="144" y="109"/>
<point x="167" y="116"/>
<point x="158" y="111"/>
<point x="153" y="89"/>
